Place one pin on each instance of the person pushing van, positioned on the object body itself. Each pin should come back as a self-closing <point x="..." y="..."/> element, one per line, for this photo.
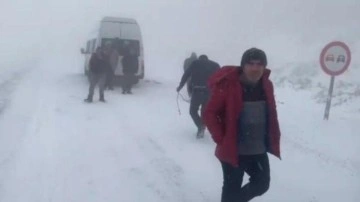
<point x="112" y="57"/>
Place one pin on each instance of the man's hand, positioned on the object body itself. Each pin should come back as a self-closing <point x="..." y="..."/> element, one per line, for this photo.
<point x="178" y="89"/>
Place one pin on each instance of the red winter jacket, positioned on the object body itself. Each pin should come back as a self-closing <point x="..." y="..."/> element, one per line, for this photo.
<point x="223" y="110"/>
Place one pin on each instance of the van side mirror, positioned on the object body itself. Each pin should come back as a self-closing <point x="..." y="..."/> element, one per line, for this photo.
<point x="82" y="51"/>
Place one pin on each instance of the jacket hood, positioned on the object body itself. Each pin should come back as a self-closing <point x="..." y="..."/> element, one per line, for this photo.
<point x="230" y="73"/>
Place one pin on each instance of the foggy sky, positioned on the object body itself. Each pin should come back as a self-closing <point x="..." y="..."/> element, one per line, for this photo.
<point x="289" y="31"/>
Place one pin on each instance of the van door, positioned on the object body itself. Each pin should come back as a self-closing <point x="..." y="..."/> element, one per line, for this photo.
<point x="128" y="48"/>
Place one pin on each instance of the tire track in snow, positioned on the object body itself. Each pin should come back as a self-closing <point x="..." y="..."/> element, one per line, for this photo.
<point x="42" y="172"/>
<point x="166" y="167"/>
<point x="165" y="177"/>
<point x="160" y="174"/>
<point x="32" y="157"/>
<point x="347" y="164"/>
<point x="158" y="168"/>
<point x="302" y="142"/>
<point x="41" y="167"/>
<point x="7" y="86"/>
<point x="11" y="135"/>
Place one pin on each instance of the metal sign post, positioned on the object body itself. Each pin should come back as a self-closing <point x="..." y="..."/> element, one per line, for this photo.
<point x="329" y="98"/>
<point x="334" y="60"/>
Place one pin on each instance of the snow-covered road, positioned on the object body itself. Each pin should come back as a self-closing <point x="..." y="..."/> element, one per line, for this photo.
<point x="56" y="148"/>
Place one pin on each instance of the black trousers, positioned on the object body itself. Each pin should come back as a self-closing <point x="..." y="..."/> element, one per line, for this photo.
<point x="97" y="79"/>
<point x="128" y="82"/>
<point x="199" y="99"/>
<point x="110" y="79"/>
<point x="257" y="167"/>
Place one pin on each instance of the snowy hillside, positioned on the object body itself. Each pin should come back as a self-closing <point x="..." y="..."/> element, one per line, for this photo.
<point x="310" y="77"/>
<point x="307" y="75"/>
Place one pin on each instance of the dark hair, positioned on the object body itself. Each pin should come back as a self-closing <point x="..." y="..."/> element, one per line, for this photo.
<point x="253" y="54"/>
<point x="203" y="57"/>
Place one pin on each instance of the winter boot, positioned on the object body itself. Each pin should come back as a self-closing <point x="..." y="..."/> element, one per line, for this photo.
<point x="89" y="100"/>
<point x="102" y="99"/>
<point x="200" y="133"/>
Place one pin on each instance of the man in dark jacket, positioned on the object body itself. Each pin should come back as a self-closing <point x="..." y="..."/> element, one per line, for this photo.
<point x="130" y="64"/>
<point x="111" y="56"/>
<point x="187" y="64"/>
<point x="98" y="70"/>
<point x="199" y="71"/>
<point x="242" y="118"/>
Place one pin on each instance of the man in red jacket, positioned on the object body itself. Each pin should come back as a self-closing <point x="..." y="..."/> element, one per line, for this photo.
<point x="242" y="118"/>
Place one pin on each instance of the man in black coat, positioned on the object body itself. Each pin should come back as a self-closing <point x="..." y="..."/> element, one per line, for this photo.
<point x="130" y="64"/>
<point x="187" y="63"/>
<point x="98" y="70"/>
<point x="200" y="70"/>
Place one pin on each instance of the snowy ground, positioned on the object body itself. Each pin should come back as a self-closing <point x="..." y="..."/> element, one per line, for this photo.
<point x="54" y="147"/>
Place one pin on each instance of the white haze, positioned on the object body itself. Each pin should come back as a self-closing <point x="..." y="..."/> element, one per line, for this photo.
<point x="55" y="148"/>
<point x="289" y="31"/>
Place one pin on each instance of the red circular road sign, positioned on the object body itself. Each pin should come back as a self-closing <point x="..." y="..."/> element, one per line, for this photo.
<point x="335" y="58"/>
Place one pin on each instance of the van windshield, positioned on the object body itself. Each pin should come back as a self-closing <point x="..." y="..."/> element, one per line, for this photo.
<point x="124" y="46"/>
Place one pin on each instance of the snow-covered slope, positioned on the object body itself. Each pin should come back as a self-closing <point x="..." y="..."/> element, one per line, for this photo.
<point x="310" y="77"/>
<point x="305" y="74"/>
